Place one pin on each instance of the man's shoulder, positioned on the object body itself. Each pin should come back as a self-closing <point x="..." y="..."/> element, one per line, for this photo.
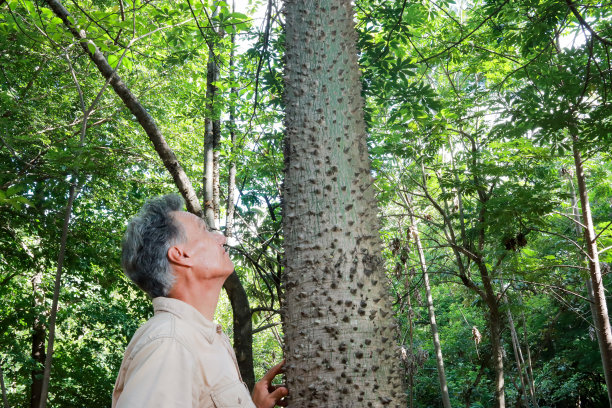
<point x="160" y="328"/>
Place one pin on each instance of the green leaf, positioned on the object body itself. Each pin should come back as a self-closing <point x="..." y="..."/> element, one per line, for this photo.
<point x="113" y="60"/>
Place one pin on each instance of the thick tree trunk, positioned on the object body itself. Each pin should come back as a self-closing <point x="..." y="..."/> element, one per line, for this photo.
<point x="432" y="317"/>
<point x="602" y="321"/>
<point x="339" y="328"/>
<point x="38" y="341"/>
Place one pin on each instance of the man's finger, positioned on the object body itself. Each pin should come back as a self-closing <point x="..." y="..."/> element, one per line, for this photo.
<point x="273" y="372"/>
<point x="279" y="393"/>
<point x="273" y="387"/>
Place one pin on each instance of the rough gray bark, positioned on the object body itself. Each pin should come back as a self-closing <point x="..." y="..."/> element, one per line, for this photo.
<point x="432" y="317"/>
<point x="338" y="324"/>
<point x="602" y="320"/>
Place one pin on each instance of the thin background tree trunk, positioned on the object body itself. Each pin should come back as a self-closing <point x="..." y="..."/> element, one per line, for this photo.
<point x="241" y="311"/>
<point x="38" y="341"/>
<point x="602" y="320"/>
<point x="212" y="134"/>
<point x="486" y="291"/>
<point x="337" y="316"/>
<point x="432" y="316"/>
<point x="518" y="355"/>
<point x="411" y="345"/>
<point x="4" y="397"/>
<point x="495" y="329"/>
<point x="588" y="282"/>
<point x="231" y="179"/>
<point x="56" y="290"/>
<point x="73" y="191"/>
<point x="243" y="328"/>
<point x="529" y="363"/>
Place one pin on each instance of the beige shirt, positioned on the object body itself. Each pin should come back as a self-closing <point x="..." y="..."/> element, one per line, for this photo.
<point x="179" y="359"/>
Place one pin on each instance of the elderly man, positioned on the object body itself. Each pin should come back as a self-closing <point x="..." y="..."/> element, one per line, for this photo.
<point x="180" y="358"/>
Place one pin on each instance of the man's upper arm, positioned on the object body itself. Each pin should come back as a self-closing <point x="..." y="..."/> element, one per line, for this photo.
<point x="163" y="373"/>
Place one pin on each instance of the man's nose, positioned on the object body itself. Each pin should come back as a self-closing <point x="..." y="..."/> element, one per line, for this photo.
<point x="219" y="237"/>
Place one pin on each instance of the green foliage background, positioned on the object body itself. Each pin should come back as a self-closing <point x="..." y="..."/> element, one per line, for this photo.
<point x="460" y="97"/>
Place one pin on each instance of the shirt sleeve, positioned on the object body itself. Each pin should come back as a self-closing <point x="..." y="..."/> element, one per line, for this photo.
<point x="162" y="374"/>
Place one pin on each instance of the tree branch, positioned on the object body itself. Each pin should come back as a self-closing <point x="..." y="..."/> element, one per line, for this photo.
<point x="144" y="118"/>
<point x="566" y="238"/>
<point x="570" y="218"/>
<point x="604" y="250"/>
<point x="456" y="43"/>
<point x="267" y="326"/>
<point x="602" y="231"/>
<point x="586" y="25"/>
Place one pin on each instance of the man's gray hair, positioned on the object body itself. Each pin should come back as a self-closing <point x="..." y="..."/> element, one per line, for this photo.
<point x="147" y="239"/>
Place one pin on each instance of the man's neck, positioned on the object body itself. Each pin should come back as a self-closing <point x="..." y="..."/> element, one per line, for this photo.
<point x="203" y="295"/>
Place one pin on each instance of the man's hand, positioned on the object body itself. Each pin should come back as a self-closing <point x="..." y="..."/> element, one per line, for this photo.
<point x="266" y="395"/>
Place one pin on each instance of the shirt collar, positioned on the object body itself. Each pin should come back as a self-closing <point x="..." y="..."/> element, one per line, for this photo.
<point x="188" y="313"/>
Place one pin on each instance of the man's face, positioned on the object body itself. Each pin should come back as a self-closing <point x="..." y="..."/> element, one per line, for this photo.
<point x="204" y="247"/>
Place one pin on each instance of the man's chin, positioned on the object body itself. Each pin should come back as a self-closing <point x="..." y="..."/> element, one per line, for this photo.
<point x="229" y="271"/>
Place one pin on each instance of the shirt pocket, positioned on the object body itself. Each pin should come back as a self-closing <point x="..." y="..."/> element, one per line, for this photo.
<point x="232" y="395"/>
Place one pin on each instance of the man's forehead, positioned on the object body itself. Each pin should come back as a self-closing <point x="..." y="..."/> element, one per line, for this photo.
<point x="189" y="218"/>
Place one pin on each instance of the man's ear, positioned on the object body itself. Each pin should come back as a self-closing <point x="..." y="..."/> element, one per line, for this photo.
<point x="178" y="256"/>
